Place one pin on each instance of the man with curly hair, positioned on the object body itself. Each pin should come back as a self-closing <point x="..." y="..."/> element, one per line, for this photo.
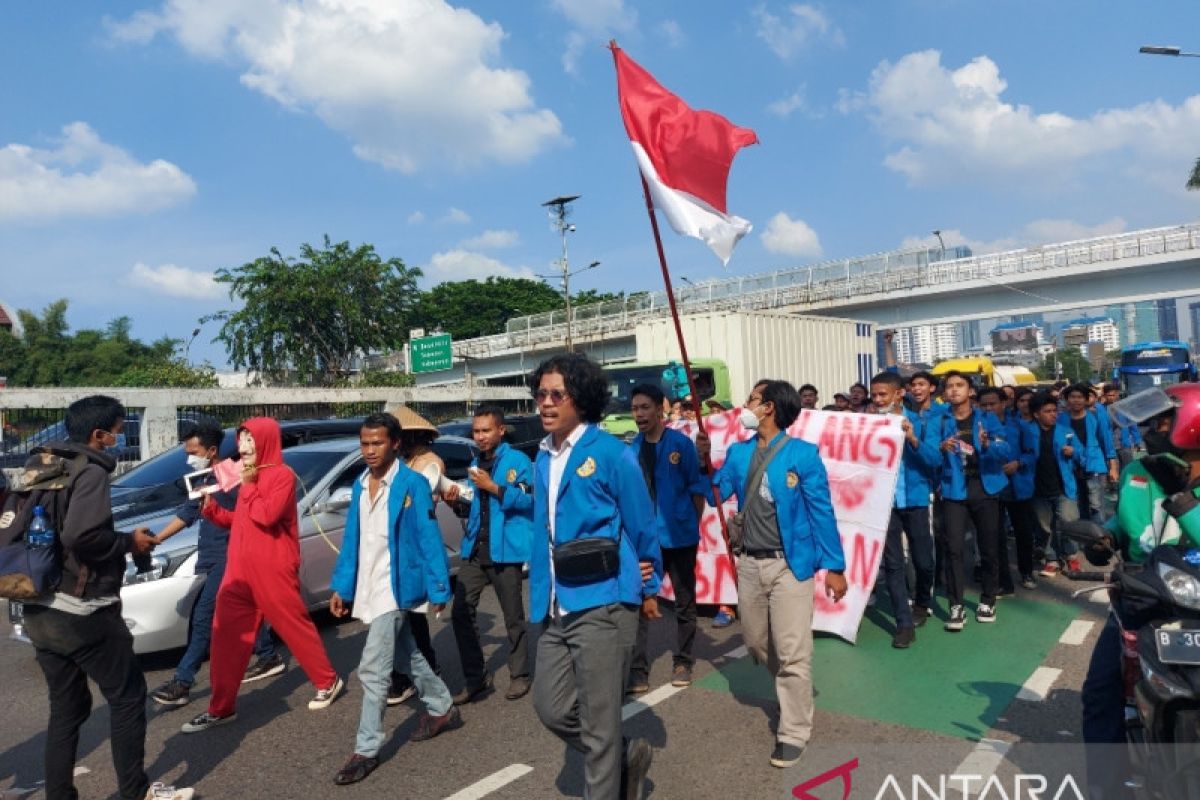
<point x="595" y="562"/>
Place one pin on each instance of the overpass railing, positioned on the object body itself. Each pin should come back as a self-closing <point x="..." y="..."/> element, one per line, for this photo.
<point x="828" y="283"/>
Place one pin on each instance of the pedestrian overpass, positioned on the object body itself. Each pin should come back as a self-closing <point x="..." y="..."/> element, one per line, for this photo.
<point x="893" y="290"/>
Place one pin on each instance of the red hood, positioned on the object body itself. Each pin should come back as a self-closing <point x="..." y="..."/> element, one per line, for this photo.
<point x="268" y="442"/>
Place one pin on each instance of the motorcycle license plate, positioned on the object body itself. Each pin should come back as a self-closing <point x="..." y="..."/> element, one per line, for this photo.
<point x="1181" y="646"/>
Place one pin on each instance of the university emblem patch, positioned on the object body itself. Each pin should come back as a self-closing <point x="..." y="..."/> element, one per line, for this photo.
<point x="674" y="457"/>
<point x="793" y="480"/>
<point x="511" y="476"/>
<point x="587" y="468"/>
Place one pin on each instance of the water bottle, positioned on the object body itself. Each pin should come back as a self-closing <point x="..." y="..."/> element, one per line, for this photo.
<point x="40" y="533"/>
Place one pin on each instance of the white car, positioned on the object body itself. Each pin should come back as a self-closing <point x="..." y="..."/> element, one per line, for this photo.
<point x="157" y="605"/>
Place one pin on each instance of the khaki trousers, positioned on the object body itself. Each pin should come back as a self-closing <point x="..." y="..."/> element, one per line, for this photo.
<point x="776" y="612"/>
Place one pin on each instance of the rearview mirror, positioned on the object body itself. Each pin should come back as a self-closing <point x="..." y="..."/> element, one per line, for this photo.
<point x="338" y="501"/>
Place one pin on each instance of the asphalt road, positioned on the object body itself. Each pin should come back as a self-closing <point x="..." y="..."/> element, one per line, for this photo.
<point x="940" y="698"/>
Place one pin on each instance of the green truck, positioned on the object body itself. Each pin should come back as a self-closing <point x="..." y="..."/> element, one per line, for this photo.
<point x="711" y="377"/>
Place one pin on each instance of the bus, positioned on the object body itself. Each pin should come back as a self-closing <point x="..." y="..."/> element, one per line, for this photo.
<point x="1149" y="364"/>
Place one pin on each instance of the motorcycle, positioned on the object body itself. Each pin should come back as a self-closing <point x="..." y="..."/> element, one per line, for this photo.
<point x="1156" y="605"/>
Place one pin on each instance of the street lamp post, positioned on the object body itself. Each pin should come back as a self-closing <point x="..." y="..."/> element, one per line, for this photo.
<point x="188" y="346"/>
<point x="559" y="211"/>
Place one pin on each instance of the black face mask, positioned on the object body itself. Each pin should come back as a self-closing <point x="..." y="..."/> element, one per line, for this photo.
<point x="1159" y="443"/>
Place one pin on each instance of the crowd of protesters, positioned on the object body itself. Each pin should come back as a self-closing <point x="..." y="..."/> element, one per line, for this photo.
<point x="597" y="523"/>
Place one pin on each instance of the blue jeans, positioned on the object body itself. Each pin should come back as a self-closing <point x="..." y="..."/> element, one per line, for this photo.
<point x="390" y="641"/>
<point x="201" y="635"/>
<point x="1049" y="512"/>
<point x="1091" y="497"/>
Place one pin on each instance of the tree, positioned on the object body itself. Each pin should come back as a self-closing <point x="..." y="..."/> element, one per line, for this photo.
<point x="1074" y="366"/>
<point x="310" y="316"/>
<point x="591" y="296"/>
<point x="1194" y="179"/>
<point x="470" y="308"/>
<point x="47" y="355"/>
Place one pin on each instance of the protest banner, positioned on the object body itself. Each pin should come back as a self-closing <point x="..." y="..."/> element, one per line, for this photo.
<point x="861" y="454"/>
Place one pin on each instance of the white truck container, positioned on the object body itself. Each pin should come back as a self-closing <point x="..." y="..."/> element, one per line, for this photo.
<point x="828" y="352"/>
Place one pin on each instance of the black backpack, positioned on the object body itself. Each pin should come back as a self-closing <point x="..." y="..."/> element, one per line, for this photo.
<point x="46" y="482"/>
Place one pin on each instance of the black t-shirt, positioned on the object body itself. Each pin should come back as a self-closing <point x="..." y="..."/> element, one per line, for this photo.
<point x="970" y="460"/>
<point x="483" y="542"/>
<point x="1080" y="428"/>
<point x="1047" y="480"/>
<point x="648" y="456"/>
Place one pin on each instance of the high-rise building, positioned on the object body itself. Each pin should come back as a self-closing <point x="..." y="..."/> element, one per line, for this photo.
<point x="1079" y="332"/>
<point x="1016" y="337"/>
<point x="926" y="344"/>
<point x="969" y="336"/>
<point x="1136" y="322"/>
<point x="1194" y="319"/>
<point x="1168" y="319"/>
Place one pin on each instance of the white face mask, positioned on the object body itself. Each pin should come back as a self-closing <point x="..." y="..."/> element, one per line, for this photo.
<point x="197" y="463"/>
<point x="749" y="419"/>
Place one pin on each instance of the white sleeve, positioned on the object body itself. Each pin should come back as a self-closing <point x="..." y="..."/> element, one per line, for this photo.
<point x="433" y="474"/>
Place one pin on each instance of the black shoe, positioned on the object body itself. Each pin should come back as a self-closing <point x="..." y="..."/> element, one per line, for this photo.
<point x="400" y="689"/>
<point x="1006" y="591"/>
<point x="470" y="693"/>
<point x="518" y="688"/>
<point x="785" y="755"/>
<point x="172" y="693"/>
<point x="681" y="675"/>
<point x="206" y="721"/>
<point x="958" y="618"/>
<point x="921" y="615"/>
<point x="430" y="726"/>
<point x="265" y="667"/>
<point x="638" y="685"/>
<point x="354" y="770"/>
<point x="635" y="765"/>
<point x="985" y="613"/>
<point x="904" y="637"/>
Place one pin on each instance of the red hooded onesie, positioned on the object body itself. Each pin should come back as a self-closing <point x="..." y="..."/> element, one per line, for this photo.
<point x="262" y="577"/>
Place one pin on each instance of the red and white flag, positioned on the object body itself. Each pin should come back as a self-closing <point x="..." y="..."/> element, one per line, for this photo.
<point x="684" y="155"/>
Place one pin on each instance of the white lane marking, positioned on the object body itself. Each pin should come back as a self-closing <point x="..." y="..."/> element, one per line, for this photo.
<point x="736" y="653"/>
<point x="1077" y="632"/>
<point x="497" y="780"/>
<point x="1037" y="686"/>
<point x="648" y="700"/>
<point x="984" y="759"/>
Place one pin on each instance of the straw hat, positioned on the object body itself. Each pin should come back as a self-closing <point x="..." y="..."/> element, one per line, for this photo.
<point x="412" y="421"/>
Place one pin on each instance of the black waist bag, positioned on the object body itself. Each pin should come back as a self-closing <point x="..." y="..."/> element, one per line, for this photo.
<point x="588" y="560"/>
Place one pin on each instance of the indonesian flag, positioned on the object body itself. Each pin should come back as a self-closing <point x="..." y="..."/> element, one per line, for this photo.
<point x="684" y="155"/>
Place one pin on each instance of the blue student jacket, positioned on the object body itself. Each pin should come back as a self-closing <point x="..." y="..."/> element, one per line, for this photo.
<point x="420" y="570"/>
<point x="676" y="479"/>
<point x="920" y="465"/>
<point x="601" y="494"/>
<point x="510" y="527"/>
<point x="1024" y="482"/>
<point x="991" y="461"/>
<point x="803" y="508"/>
<point x="1092" y="459"/>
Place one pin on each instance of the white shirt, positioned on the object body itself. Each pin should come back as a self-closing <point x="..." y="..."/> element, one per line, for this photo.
<point x="559" y="456"/>
<point x="373" y="593"/>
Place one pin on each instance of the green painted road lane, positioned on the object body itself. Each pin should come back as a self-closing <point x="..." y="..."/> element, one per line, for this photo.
<point x="957" y="684"/>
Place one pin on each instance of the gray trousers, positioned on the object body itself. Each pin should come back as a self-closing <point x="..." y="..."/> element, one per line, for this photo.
<point x="579" y="686"/>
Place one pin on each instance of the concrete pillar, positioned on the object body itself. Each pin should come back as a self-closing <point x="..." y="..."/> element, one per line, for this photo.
<point x="160" y="429"/>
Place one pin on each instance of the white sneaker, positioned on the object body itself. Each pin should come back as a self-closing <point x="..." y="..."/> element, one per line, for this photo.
<point x="325" y="697"/>
<point x="160" y="791"/>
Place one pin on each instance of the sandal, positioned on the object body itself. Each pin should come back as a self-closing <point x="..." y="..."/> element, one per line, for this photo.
<point x="356" y="769"/>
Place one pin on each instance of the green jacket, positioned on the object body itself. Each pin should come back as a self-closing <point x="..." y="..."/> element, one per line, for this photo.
<point x="1141" y="523"/>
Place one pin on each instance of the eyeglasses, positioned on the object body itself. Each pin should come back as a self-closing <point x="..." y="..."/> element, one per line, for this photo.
<point x="556" y="396"/>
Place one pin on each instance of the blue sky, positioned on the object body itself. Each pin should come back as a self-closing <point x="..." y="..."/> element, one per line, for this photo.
<point x="145" y="144"/>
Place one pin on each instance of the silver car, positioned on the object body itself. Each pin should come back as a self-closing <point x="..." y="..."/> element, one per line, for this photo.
<point x="157" y="605"/>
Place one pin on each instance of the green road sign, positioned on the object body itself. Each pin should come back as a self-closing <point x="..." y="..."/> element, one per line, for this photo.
<point x="430" y="353"/>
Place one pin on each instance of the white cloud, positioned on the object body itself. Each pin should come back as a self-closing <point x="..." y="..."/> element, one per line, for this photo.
<point x="176" y="281"/>
<point x="802" y="25"/>
<point x="593" y="22"/>
<point x="1033" y="234"/>
<point x="84" y="176"/>
<point x="462" y="265"/>
<point x="790" y="237"/>
<point x="671" y="33"/>
<point x="412" y="83"/>
<point x="952" y="125"/>
<point x="456" y="216"/>
<point x="491" y="240"/>
<point x="416" y="218"/>
<point x="786" y="105"/>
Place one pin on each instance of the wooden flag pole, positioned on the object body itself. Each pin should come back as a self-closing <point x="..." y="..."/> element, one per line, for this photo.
<point x="687" y="366"/>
